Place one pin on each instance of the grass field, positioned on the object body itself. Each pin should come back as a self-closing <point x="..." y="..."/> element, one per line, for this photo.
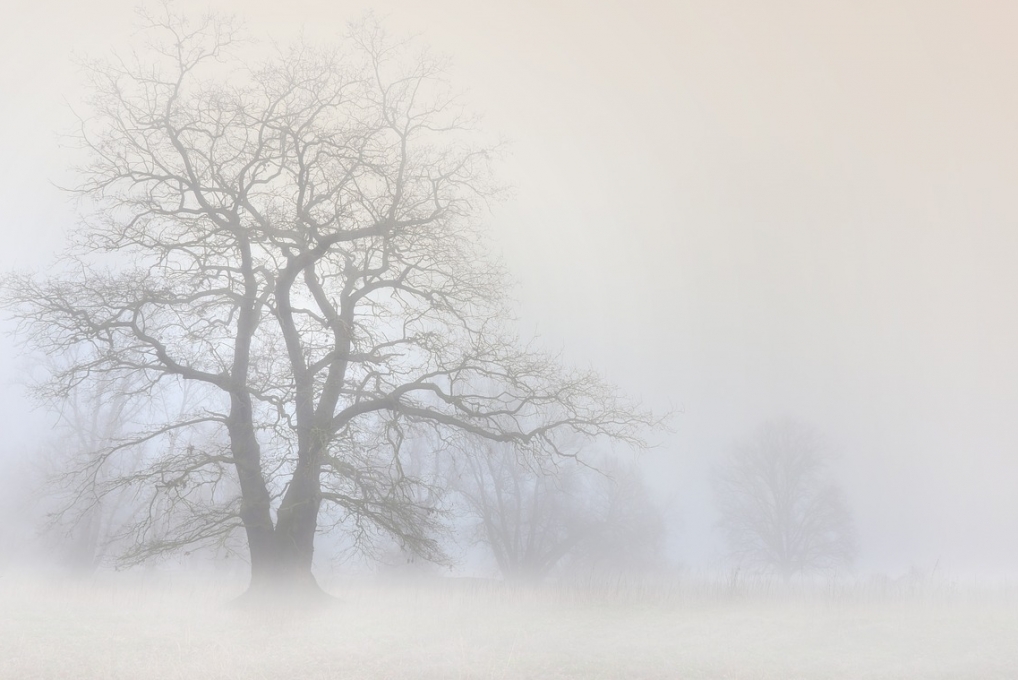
<point x="441" y="629"/>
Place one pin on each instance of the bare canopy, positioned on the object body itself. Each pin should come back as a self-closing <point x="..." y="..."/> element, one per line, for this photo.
<point x="779" y="510"/>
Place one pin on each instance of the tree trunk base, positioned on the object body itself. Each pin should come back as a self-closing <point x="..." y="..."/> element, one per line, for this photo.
<point x="285" y="594"/>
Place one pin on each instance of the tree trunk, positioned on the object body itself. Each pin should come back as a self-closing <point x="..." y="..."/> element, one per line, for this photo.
<point x="256" y="503"/>
<point x="296" y="525"/>
<point x="281" y="553"/>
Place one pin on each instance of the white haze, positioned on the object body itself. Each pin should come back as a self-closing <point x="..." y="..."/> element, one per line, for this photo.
<point x="428" y="630"/>
<point x="736" y="210"/>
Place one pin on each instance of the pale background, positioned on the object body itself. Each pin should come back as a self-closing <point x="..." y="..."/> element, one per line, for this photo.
<point x="739" y="210"/>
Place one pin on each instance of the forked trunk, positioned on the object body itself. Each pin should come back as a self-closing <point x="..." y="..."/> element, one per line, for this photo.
<point x="281" y="562"/>
<point x="296" y="524"/>
<point x="281" y="553"/>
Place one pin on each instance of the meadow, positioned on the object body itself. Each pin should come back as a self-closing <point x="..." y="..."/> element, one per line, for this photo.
<point x="173" y="626"/>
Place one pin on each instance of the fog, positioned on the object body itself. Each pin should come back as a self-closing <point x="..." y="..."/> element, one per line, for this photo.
<point x="737" y="212"/>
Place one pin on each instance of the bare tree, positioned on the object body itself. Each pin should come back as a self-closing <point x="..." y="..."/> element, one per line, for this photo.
<point x="629" y="527"/>
<point x="779" y="510"/>
<point x="533" y="515"/>
<point x="522" y="515"/>
<point x="296" y="239"/>
<point x="106" y="513"/>
<point x="85" y="519"/>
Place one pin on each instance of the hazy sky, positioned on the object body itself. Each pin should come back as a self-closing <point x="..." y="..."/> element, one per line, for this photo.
<point x="738" y="209"/>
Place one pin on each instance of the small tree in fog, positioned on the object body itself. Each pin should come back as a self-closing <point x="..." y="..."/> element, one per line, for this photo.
<point x="779" y="510"/>
<point x="296" y="240"/>
<point x="86" y="518"/>
<point x="532" y="515"/>
<point x="629" y="530"/>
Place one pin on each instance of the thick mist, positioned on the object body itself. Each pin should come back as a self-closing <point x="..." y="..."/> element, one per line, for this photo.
<point x="741" y="214"/>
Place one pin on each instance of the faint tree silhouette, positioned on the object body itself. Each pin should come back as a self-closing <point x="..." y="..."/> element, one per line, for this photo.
<point x="100" y="513"/>
<point x="779" y="511"/>
<point x="532" y="515"/>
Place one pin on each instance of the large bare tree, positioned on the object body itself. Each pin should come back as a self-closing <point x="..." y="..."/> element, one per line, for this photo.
<point x="296" y="238"/>
<point x="779" y="509"/>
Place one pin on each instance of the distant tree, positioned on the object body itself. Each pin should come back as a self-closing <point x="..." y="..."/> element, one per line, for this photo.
<point x="108" y="495"/>
<point x="629" y="527"/>
<point x="296" y="240"/>
<point x="779" y="510"/>
<point x="85" y="518"/>
<point x="533" y="515"/>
